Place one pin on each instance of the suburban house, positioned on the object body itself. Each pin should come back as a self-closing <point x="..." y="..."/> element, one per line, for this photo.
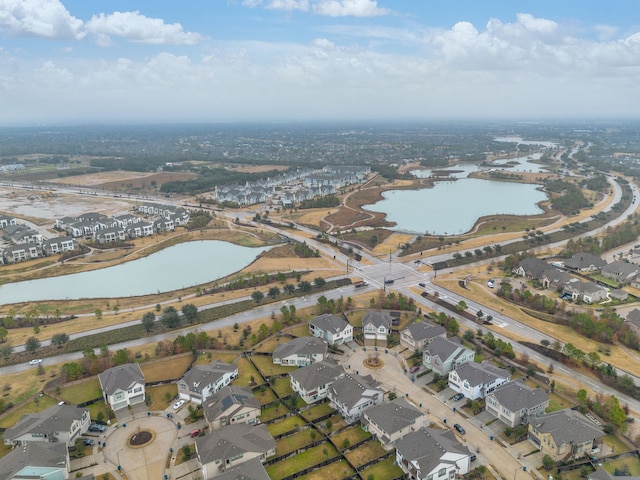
<point x="334" y="330"/>
<point x="301" y="351"/>
<point x="376" y="325"/>
<point x="621" y="272"/>
<point x="443" y="355"/>
<point x="47" y="460"/>
<point x="556" y="280"/>
<point x="313" y="382"/>
<point x="389" y="422"/>
<point x="429" y="454"/>
<point x="602" y="474"/>
<point x="110" y="235"/>
<point x="60" y="423"/>
<point x="514" y="403"/>
<point x="122" y="386"/>
<point x="587" y="292"/>
<point x="352" y="394"/>
<point x="564" y="435"/>
<point x="20" y="252"/>
<point x="633" y="321"/>
<point x="231" y="405"/>
<point x="476" y="380"/>
<point x="232" y="445"/>
<point x="202" y="381"/>
<point x="531" y="267"/>
<point x="56" y="245"/>
<point x="249" y="470"/>
<point x="5" y="221"/>
<point x="584" y="262"/>
<point x="419" y="334"/>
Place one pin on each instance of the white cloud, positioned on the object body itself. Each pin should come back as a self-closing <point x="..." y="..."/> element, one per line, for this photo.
<point x="39" y="18"/>
<point x="345" y="8"/>
<point x="287" y="5"/>
<point x="136" y="27"/>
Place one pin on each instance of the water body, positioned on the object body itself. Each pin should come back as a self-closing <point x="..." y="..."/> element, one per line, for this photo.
<point x="454" y="207"/>
<point x="179" y="266"/>
<point x="520" y="140"/>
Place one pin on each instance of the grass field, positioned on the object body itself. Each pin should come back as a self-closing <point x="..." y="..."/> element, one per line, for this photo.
<point x="36" y="405"/>
<point x="208" y="357"/>
<point x="270" y="344"/>
<point x="265" y="395"/>
<point x="365" y="453"/>
<point x="267" y="368"/>
<point x="306" y="459"/>
<point x="285" y="425"/>
<point x="168" y="368"/>
<point x="272" y="412"/>
<point x="295" y="441"/>
<point x="353" y="435"/>
<point x="630" y="464"/>
<point x="81" y="392"/>
<point x="385" y="469"/>
<point x="317" y="411"/>
<point x="301" y="330"/>
<point x="282" y="386"/>
<point x="336" y="470"/>
<point x="159" y="395"/>
<point x="246" y="371"/>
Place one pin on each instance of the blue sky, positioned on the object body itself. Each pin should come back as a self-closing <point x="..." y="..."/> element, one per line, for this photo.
<point x="262" y="60"/>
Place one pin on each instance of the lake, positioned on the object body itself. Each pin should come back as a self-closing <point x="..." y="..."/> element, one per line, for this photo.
<point x="176" y="267"/>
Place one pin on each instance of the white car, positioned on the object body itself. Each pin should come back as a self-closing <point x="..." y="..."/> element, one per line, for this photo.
<point x="35" y="361"/>
<point x="178" y="404"/>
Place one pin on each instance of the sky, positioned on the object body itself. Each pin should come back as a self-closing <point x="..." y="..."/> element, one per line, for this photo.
<point x="167" y="61"/>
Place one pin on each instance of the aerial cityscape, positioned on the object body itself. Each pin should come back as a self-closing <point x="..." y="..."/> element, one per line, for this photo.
<point x="319" y="239"/>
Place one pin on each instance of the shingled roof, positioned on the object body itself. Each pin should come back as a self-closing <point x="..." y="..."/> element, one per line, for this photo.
<point x="234" y="440"/>
<point x="122" y="377"/>
<point x="567" y="426"/>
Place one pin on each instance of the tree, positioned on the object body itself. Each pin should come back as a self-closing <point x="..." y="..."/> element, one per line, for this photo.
<point x="462" y="306"/>
<point x="148" y="321"/>
<point x="98" y="313"/>
<point x="548" y="462"/>
<point x="32" y="344"/>
<point x="59" y="339"/>
<point x="289" y="289"/>
<point x="190" y="312"/>
<point x="304" y="286"/>
<point x="273" y="293"/>
<point x="6" y="351"/>
<point x="121" y="357"/>
<point x="72" y="371"/>
<point x="257" y="296"/>
<point x="170" y="318"/>
<point x="3" y="334"/>
<point x="319" y="282"/>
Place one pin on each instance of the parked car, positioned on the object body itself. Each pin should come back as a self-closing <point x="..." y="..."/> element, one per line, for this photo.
<point x="423" y="285"/>
<point x="459" y="428"/>
<point x="473" y="457"/>
<point x="457" y="397"/>
<point x="96" y="427"/>
<point x="490" y="284"/>
<point x="88" y="442"/>
<point x="414" y="369"/>
<point x="35" y="361"/>
<point x="178" y="404"/>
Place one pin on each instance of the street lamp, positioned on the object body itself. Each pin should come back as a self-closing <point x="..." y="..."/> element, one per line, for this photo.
<point x="524" y="469"/>
<point x="118" y="455"/>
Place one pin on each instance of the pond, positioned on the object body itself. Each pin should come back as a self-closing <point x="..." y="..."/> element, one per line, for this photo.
<point x="176" y="267"/>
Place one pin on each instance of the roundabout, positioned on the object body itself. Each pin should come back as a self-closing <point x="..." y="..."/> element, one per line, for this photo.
<point x="373" y="361"/>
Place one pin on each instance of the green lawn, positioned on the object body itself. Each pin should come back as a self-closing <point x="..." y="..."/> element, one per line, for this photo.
<point x="335" y="470"/>
<point x="36" y="405"/>
<point x="282" y="386"/>
<point x="618" y="445"/>
<point x="365" y="453"/>
<point x="245" y="371"/>
<point x="383" y="470"/>
<point x="295" y="441"/>
<point x="272" y="412"/>
<point x="81" y="392"/>
<point x="336" y="423"/>
<point x="265" y="395"/>
<point x="353" y="435"/>
<point x="631" y="463"/>
<point x="284" y="425"/>
<point x="267" y="368"/>
<point x="306" y="459"/>
<point x="317" y="411"/>
<point x="96" y="408"/>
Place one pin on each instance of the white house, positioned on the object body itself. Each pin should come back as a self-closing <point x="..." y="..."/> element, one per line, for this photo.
<point x="376" y="325"/>
<point x="122" y="386"/>
<point x="443" y="355"/>
<point x="60" y="423"/>
<point x="202" y="381"/>
<point x="301" y="351"/>
<point x="352" y="394"/>
<point x="419" y="334"/>
<point x="476" y="380"/>
<point x="313" y="382"/>
<point x="334" y="330"/>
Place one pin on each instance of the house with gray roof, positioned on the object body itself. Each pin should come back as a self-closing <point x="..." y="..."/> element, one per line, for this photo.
<point x="301" y="351"/>
<point x="584" y="262"/>
<point x="6" y="220"/>
<point x="556" y="280"/>
<point x="564" y="435"/>
<point x="514" y="403"/>
<point x="60" y="423"/>
<point x="57" y="245"/>
<point x="36" y="460"/>
<point x="445" y="354"/>
<point x="376" y="325"/>
<point x="531" y="267"/>
<point x="587" y="292"/>
<point x="20" y="252"/>
<point x="231" y="405"/>
<point x="230" y="446"/>
<point x="476" y="380"/>
<point x="391" y="421"/>
<point x="313" y="382"/>
<point x="202" y="381"/>
<point x="418" y="335"/>
<point x="602" y="474"/>
<point x="632" y="320"/>
<point x="122" y="386"/>
<point x="621" y="272"/>
<point x="249" y="470"/>
<point x="428" y="454"/>
<point x="333" y="329"/>
<point x="352" y="394"/>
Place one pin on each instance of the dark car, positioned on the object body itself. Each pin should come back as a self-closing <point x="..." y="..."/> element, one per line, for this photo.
<point x="459" y="429"/>
<point x="457" y="397"/>
<point x="88" y="442"/>
<point x="473" y="457"/>
<point x="96" y="427"/>
<point x="423" y="285"/>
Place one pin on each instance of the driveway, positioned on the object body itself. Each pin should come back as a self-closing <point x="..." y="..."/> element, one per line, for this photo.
<point x="441" y="413"/>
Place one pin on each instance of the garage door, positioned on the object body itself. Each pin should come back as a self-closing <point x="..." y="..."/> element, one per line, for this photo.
<point x="136" y="399"/>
